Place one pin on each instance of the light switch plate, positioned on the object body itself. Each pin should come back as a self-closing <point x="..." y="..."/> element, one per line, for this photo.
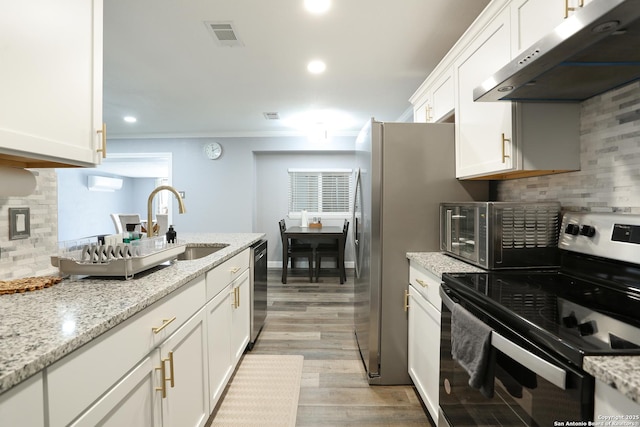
<point x="19" y="223"/>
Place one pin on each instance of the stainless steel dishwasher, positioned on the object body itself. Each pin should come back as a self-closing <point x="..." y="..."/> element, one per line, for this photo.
<point x="258" y="289"/>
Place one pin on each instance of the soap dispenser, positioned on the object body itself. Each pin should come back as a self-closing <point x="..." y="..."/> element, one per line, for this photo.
<point x="171" y="235"/>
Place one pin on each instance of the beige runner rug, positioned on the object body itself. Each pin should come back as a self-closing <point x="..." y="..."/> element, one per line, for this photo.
<point x="263" y="392"/>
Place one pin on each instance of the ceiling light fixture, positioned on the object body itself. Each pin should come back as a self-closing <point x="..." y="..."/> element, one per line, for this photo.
<point x="316" y="66"/>
<point x="317" y="6"/>
<point x="130" y="119"/>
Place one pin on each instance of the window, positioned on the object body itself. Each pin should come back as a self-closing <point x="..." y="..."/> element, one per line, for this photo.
<point x="321" y="192"/>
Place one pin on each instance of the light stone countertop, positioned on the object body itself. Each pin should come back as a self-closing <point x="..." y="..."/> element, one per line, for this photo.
<point x="620" y="372"/>
<point x="40" y="327"/>
<point x="439" y="263"/>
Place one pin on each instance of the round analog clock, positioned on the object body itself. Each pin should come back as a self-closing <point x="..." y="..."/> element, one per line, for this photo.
<point x="213" y="150"/>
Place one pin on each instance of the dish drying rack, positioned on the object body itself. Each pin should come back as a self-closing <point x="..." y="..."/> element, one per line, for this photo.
<point x="90" y="257"/>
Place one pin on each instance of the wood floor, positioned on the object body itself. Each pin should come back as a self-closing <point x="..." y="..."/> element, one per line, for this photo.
<point x="316" y="321"/>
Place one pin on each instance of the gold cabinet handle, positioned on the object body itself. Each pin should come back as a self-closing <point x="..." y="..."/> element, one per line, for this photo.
<point x="429" y="116"/>
<point x="406" y="300"/>
<point x="163" y="374"/>
<point x="237" y="297"/>
<point x="234" y="304"/>
<point x="171" y="369"/>
<point x="568" y="9"/>
<point x="234" y="270"/>
<point x="103" y="149"/>
<point x="422" y="283"/>
<point x="504" y="155"/>
<point x="165" y="323"/>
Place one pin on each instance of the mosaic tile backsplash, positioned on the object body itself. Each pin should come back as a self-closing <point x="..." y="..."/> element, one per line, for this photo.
<point x="609" y="179"/>
<point x="30" y="256"/>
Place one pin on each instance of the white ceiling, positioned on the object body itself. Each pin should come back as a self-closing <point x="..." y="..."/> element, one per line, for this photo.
<point x="163" y="66"/>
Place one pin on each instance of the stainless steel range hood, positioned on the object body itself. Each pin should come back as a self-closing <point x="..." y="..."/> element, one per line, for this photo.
<point x="591" y="52"/>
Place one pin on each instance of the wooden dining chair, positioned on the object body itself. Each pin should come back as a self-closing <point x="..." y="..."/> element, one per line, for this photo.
<point x="332" y="250"/>
<point x="296" y="250"/>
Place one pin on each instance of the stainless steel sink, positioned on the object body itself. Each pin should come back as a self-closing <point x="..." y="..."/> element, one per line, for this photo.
<point x="197" y="252"/>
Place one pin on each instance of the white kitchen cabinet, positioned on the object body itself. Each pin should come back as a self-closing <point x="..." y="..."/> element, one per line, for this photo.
<point x="133" y="401"/>
<point x="75" y="382"/>
<point x="533" y="19"/>
<point x="218" y="312"/>
<point x="442" y="95"/>
<point x="609" y="403"/>
<point x="240" y="316"/>
<point x="434" y="102"/>
<point x="23" y="405"/>
<point x="143" y="399"/>
<point x="424" y="335"/>
<point x="51" y="83"/>
<point x="228" y="320"/>
<point x="184" y="357"/>
<point x="500" y="140"/>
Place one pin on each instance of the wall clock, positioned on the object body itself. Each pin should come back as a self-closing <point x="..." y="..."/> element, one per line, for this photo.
<point x="213" y="150"/>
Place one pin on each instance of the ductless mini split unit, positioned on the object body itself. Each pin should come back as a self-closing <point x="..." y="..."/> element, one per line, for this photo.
<point x="104" y="183"/>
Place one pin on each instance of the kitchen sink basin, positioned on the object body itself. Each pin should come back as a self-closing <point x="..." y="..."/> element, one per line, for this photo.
<point x="197" y="252"/>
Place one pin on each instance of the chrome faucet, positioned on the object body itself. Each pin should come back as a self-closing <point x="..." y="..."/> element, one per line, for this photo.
<point x="181" y="208"/>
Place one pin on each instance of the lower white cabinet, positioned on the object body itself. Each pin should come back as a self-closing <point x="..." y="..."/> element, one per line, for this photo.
<point x="168" y="388"/>
<point x="184" y="358"/>
<point x="240" y="317"/>
<point x="424" y="349"/>
<point x="134" y="401"/>
<point x="23" y="405"/>
<point x="425" y="305"/>
<point x="219" y="341"/>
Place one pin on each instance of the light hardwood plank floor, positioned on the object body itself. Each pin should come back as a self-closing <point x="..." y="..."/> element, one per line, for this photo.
<point x="316" y="321"/>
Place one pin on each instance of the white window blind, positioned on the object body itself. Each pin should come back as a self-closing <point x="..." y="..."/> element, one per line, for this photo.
<point x="320" y="191"/>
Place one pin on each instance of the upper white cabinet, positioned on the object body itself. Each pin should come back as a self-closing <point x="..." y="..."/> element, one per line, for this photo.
<point x="533" y="19"/>
<point x="434" y="101"/>
<point x="480" y="125"/>
<point x="501" y="140"/>
<point x="51" y="83"/>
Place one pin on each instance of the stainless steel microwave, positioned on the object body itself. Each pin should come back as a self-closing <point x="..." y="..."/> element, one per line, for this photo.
<point x="500" y="235"/>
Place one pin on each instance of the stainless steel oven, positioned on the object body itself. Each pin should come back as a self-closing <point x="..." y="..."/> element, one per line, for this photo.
<point x="530" y="384"/>
<point x="541" y="324"/>
<point x="501" y="235"/>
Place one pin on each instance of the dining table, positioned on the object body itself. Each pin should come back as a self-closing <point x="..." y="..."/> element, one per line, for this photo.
<point x="314" y="236"/>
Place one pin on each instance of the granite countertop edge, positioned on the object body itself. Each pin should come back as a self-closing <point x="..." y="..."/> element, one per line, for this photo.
<point x="619" y="372"/>
<point x="41" y="327"/>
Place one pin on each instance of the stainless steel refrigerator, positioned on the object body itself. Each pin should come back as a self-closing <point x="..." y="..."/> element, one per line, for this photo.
<point x="403" y="172"/>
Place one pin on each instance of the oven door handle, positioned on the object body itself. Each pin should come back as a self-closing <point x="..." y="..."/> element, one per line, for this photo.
<point x="550" y="372"/>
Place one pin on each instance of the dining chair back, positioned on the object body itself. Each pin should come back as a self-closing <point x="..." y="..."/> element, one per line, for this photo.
<point x="332" y="250"/>
<point x="294" y="251"/>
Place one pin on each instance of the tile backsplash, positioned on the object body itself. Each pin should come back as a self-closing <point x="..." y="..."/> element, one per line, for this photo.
<point x="30" y="256"/>
<point x="609" y="176"/>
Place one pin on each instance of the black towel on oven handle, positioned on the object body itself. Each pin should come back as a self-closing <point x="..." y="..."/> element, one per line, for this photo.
<point x="471" y="348"/>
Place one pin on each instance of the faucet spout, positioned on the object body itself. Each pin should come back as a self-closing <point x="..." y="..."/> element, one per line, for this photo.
<point x="181" y="208"/>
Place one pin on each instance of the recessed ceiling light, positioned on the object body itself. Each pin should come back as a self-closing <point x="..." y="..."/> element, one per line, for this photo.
<point x="316" y="66"/>
<point x="317" y="6"/>
<point x="130" y="119"/>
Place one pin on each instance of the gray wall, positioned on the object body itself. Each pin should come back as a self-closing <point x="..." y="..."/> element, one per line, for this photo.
<point x="83" y="213"/>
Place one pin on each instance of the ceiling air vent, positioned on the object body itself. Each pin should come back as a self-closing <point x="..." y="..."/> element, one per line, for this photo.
<point x="224" y="33"/>
<point x="271" y="116"/>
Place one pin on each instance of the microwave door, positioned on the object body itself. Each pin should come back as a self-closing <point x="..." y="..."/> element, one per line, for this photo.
<point x="452" y="244"/>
